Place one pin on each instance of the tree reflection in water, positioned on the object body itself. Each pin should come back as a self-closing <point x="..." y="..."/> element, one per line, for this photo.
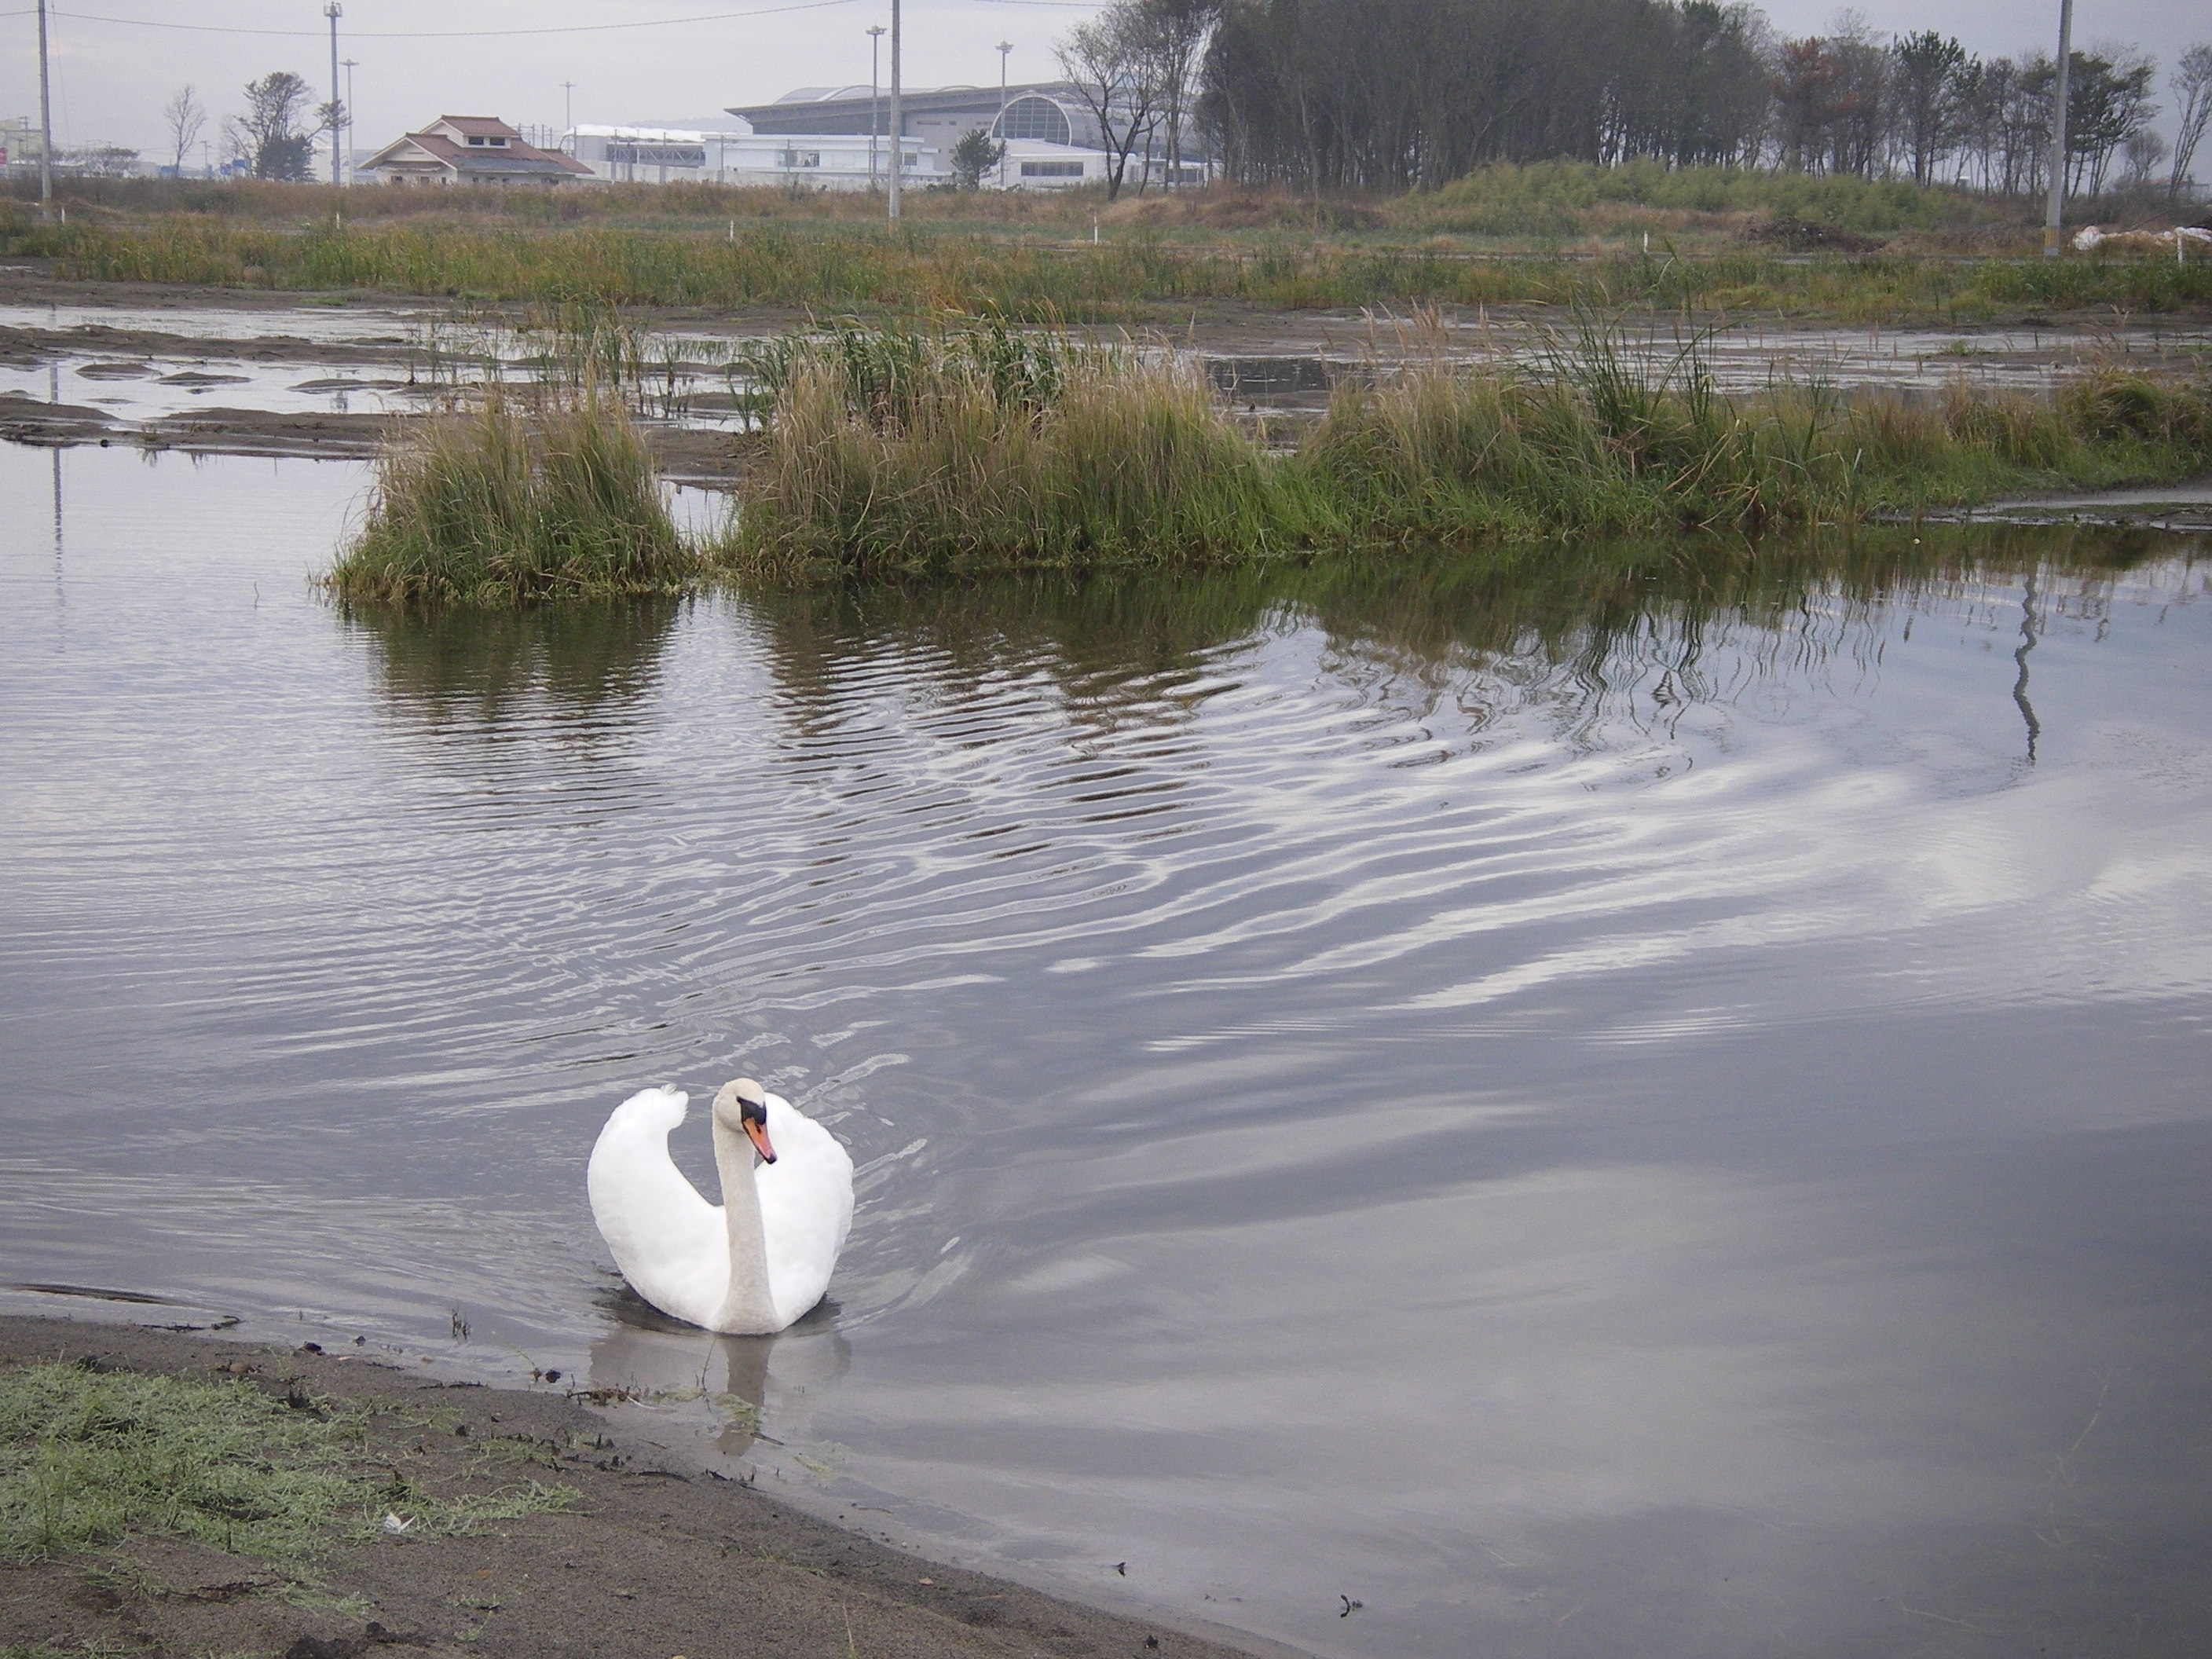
<point x="1608" y="630"/>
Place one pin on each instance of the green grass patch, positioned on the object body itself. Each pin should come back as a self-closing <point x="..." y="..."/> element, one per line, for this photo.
<point x="1565" y="198"/>
<point x="86" y="1458"/>
<point x="986" y="447"/>
<point x="1600" y="439"/>
<point x="521" y="498"/>
<point x="1132" y="275"/>
<point x="975" y="448"/>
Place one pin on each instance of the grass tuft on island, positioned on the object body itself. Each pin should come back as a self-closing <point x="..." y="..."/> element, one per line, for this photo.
<point x="988" y="448"/>
<point x="522" y="497"/>
<point x="89" y="1456"/>
<point x="979" y="447"/>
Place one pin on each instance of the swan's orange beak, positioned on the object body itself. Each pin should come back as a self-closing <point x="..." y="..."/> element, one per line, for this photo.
<point x="758" y="1132"/>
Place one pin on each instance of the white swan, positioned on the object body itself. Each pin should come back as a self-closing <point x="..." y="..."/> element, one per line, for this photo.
<point x="752" y="1264"/>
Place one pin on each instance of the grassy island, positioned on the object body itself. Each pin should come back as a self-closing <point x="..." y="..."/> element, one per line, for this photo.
<point x="975" y="446"/>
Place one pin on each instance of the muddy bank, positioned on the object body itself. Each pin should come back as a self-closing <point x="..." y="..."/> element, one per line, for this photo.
<point x="650" y="1558"/>
<point x="2185" y="507"/>
<point x="701" y="457"/>
<point x="216" y="371"/>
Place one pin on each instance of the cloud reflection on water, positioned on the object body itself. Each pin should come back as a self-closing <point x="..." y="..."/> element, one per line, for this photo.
<point x="1594" y="1102"/>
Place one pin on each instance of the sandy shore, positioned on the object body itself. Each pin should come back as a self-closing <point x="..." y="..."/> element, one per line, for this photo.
<point x="651" y="1559"/>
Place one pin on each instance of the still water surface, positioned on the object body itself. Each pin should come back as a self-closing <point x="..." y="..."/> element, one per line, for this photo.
<point x="1637" y="1110"/>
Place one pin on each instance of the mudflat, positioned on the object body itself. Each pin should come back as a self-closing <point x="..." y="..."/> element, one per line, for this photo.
<point x="634" y="1555"/>
<point x="331" y="375"/>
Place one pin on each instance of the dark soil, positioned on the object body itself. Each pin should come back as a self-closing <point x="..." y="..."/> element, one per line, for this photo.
<point x="651" y="1561"/>
<point x="1801" y="236"/>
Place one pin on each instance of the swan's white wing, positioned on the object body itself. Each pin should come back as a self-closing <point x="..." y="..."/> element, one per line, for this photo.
<point x="806" y="1207"/>
<point x="669" y="1242"/>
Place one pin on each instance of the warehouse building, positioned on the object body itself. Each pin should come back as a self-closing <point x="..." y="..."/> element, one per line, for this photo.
<point x="662" y="155"/>
<point x="1052" y="140"/>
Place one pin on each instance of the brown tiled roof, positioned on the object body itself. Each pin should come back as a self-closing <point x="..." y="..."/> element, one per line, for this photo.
<point x="482" y="126"/>
<point x="514" y="157"/>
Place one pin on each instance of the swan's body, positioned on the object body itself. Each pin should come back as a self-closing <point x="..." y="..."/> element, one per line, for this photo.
<point x="755" y="1262"/>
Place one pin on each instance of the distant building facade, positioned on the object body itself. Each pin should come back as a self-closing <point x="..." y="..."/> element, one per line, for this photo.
<point x="470" y="149"/>
<point x="1053" y="140"/>
<point x="663" y="156"/>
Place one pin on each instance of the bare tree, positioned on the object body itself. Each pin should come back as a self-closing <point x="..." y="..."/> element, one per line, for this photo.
<point x="1110" y="64"/>
<point x="184" y="116"/>
<point x="2192" y="89"/>
<point x="1175" y="35"/>
<point x="2141" y="150"/>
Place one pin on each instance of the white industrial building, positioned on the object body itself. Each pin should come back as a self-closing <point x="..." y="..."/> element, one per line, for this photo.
<point x="1053" y="142"/>
<point x="838" y="138"/>
<point x="665" y="156"/>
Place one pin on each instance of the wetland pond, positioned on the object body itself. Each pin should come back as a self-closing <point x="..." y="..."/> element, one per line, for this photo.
<point x="1628" y="1103"/>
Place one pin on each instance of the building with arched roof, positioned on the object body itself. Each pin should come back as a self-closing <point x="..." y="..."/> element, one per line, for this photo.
<point x="1052" y="139"/>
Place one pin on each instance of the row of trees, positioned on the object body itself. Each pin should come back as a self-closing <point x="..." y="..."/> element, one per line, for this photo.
<point x="1393" y="94"/>
<point x="1135" y="69"/>
<point x="272" y="137"/>
<point x="1920" y="107"/>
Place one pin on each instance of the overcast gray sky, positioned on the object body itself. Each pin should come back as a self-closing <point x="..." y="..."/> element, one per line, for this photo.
<point x="111" y="77"/>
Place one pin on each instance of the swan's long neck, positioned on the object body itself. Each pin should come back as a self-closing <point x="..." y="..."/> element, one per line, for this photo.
<point x="748" y="1307"/>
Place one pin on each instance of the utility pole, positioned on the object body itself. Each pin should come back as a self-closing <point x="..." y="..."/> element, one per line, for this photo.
<point x="46" y="125"/>
<point x="349" y="66"/>
<point x="2054" y="208"/>
<point x="1004" y="46"/>
<point x="898" y="127"/>
<point x="334" y="11"/>
<point x="875" y="95"/>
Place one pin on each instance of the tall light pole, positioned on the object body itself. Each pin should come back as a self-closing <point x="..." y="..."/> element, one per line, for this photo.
<point x="898" y="129"/>
<point x="875" y="94"/>
<point x="1004" y="46"/>
<point x="46" y="125"/>
<point x="2055" y="206"/>
<point x="348" y="64"/>
<point x="333" y="11"/>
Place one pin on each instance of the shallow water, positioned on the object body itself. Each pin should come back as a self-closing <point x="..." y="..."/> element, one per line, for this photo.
<point x="1637" y="1106"/>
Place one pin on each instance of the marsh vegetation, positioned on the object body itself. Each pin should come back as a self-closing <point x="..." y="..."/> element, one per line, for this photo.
<point x="980" y="449"/>
<point x="977" y="446"/>
<point x="540" y="495"/>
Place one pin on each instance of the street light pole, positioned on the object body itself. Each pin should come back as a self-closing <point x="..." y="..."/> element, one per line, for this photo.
<point x="875" y="94"/>
<point x="333" y="11"/>
<point x="46" y="125"/>
<point x="1004" y="46"/>
<point x="2055" y="206"/>
<point x="349" y="64"/>
<point x="898" y="129"/>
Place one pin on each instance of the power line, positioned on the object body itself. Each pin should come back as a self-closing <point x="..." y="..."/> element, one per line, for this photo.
<point x="449" y="34"/>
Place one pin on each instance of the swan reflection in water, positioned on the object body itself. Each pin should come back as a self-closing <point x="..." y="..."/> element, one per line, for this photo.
<point x="762" y="1384"/>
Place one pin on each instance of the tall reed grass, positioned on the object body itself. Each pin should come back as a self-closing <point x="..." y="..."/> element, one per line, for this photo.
<point x="1599" y="437"/>
<point x="919" y="271"/>
<point x="518" y="498"/>
<point x="980" y="445"/>
<point x="984" y="448"/>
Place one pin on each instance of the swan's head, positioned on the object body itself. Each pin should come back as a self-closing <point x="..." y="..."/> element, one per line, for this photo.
<point x="742" y="1107"/>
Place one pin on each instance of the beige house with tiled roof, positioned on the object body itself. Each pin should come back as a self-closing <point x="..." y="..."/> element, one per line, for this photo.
<point x="470" y="150"/>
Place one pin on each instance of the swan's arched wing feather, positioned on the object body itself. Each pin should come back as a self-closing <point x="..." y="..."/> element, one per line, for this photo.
<point x="806" y="1207"/>
<point x="668" y="1240"/>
